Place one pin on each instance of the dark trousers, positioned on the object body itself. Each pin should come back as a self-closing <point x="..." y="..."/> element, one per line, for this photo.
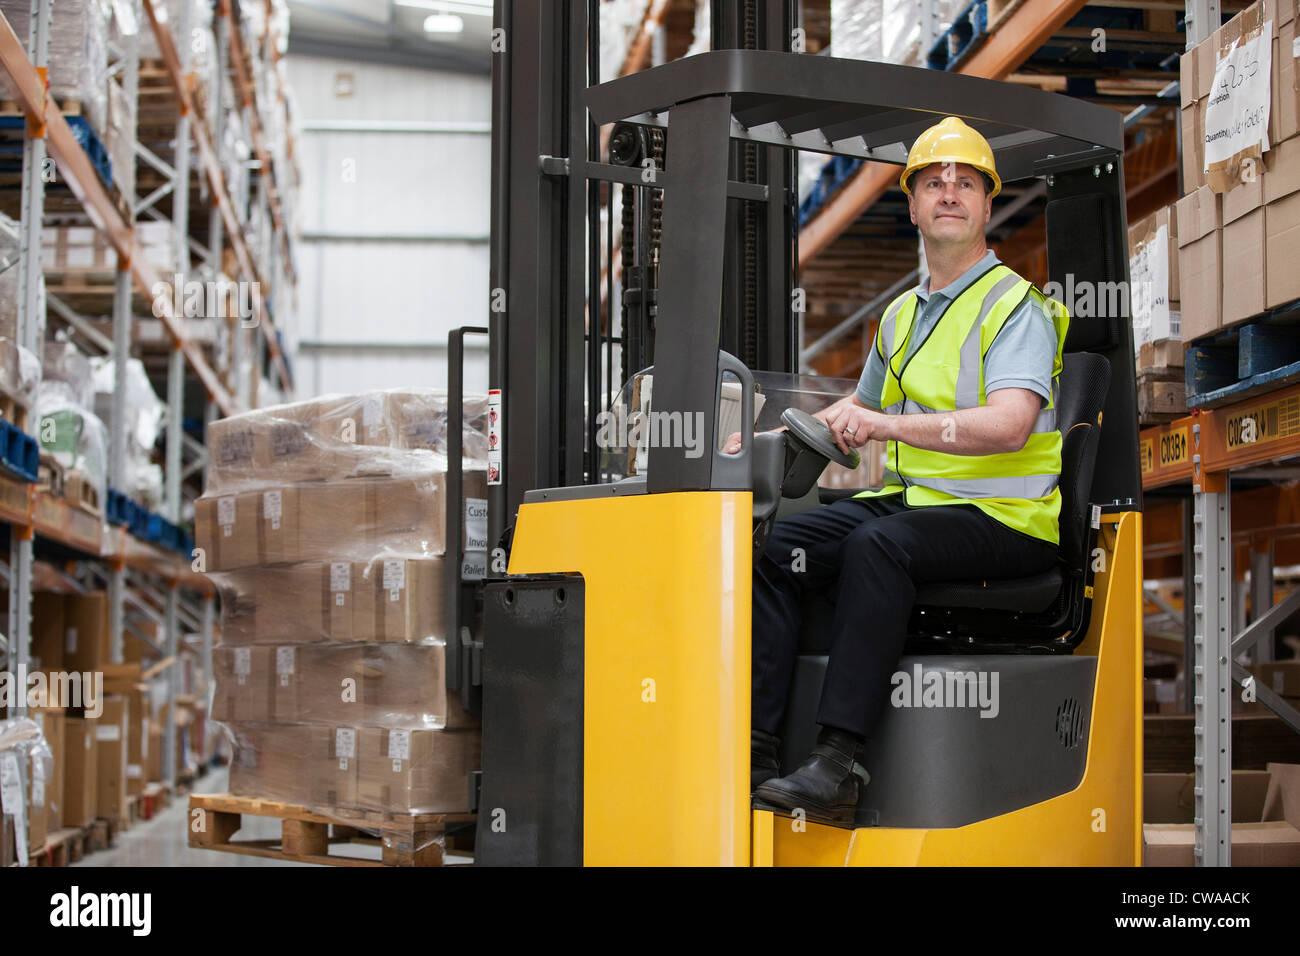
<point x="873" y="553"/>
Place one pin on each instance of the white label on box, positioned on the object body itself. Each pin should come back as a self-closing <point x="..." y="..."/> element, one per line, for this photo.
<point x="11" y="799"/>
<point x="394" y="575"/>
<point x="134" y="771"/>
<point x="399" y="744"/>
<point x="1295" y="48"/>
<point x="243" y="660"/>
<point x="226" y="512"/>
<point x="473" y="566"/>
<point x="144" y="736"/>
<point x="340" y="577"/>
<point x="70" y="641"/>
<point x="372" y="411"/>
<point x="495" y="428"/>
<point x="89" y="739"/>
<point x="345" y="745"/>
<point x="108" y="732"/>
<point x="38" y="782"/>
<point x="476" y="524"/>
<point x="1236" y="113"/>
<point x="284" y="663"/>
<point x="1165" y="692"/>
<point x="1279" y="681"/>
<point x="271" y="508"/>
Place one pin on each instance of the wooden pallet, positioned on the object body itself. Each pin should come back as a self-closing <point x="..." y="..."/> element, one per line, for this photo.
<point x="68" y="106"/>
<point x="1260" y="355"/>
<point x="306" y="836"/>
<point x="61" y="848"/>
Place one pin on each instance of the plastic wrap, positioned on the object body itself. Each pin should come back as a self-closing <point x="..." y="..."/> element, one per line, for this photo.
<point x="67" y="249"/>
<point x="20" y="373"/>
<point x="349" y="768"/>
<point x="78" y="65"/>
<point x="324" y="526"/>
<point x="119" y="138"/>
<point x="26" y="764"/>
<point x="336" y="437"/>
<point x="66" y="427"/>
<point x="142" y="479"/>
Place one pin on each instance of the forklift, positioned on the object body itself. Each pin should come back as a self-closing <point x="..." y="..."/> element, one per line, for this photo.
<point x="613" y="671"/>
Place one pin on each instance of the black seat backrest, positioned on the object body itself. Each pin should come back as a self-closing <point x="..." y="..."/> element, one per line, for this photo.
<point x="1085" y="380"/>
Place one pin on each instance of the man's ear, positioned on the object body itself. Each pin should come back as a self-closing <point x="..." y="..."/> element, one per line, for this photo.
<point x="911" y="207"/>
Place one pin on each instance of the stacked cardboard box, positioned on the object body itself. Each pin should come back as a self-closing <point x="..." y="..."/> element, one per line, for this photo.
<point x="1240" y="213"/>
<point x="324" y="525"/>
<point x="1155" y="301"/>
<point x="1265" y="817"/>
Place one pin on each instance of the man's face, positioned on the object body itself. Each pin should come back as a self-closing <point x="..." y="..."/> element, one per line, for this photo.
<point x="949" y="204"/>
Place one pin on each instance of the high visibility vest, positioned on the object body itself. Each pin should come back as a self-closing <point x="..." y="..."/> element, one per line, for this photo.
<point x="946" y="373"/>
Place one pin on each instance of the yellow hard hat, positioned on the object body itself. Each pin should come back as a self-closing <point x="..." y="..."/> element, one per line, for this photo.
<point x="951" y="141"/>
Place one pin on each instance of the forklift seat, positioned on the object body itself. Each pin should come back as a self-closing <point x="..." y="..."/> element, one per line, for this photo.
<point x="1085" y="379"/>
<point x="950" y="606"/>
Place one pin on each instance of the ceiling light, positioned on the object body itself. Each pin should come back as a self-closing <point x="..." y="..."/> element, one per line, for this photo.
<point x="443" y="23"/>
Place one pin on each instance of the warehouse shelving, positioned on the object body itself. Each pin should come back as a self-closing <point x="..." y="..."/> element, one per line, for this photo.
<point x="144" y="581"/>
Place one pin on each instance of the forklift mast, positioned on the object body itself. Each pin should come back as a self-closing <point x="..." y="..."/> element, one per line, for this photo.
<point x="554" y="367"/>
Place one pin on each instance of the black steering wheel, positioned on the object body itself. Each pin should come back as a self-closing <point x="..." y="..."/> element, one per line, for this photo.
<point x="814" y="435"/>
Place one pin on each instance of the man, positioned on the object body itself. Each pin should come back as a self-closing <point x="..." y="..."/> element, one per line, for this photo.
<point x="961" y="384"/>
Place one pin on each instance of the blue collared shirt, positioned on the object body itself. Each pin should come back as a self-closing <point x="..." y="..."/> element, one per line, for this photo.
<point x="1021" y="356"/>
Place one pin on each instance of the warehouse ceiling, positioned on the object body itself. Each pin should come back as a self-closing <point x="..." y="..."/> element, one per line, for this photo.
<point x="429" y="34"/>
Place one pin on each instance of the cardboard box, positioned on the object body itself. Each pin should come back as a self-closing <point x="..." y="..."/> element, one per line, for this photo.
<point x="111" y="737"/>
<point x="1265" y="810"/>
<point x="409" y="600"/>
<point x="405" y="686"/>
<point x="1188" y="78"/>
<point x="1224" y="173"/>
<point x="277" y="525"/>
<point x="226" y="530"/>
<point x="244" y="681"/>
<point x="290" y="603"/>
<point x="340" y="593"/>
<point x="334" y="520"/>
<point x="1153" y="275"/>
<point x="1282" y="170"/>
<point x="1200" y="262"/>
<point x="53" y="724"/>
<point x="417" y="771"/>
<point x="47" y="631"/>
<point x="137" y="739"/>
<point x="1193" y="148"/>
<point x="153" y="752"/>
<point x="230" y="450"/>
<point x="1283" y="109"/>
<point x="81" y="775"/>
<point x="288" y="687"/>
<point x="1244" y="272"/>
<point x="1253" y="844"/>
<point x="1246" y="196"/>
<point x="1282" y="677"/>
<point x="85" y="645"/>
<point x="333" y="766"/>
<point x="331" y="679"/>
<point x="1281" y="239"/>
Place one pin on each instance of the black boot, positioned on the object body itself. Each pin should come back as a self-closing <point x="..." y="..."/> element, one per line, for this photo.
<point x="764" y="763"/>
<point x="826" y="786"/>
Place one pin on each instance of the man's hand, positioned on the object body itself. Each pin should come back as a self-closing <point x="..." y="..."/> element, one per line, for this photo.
<point x="732" y="447"/>
<point x="852" y="426"/>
